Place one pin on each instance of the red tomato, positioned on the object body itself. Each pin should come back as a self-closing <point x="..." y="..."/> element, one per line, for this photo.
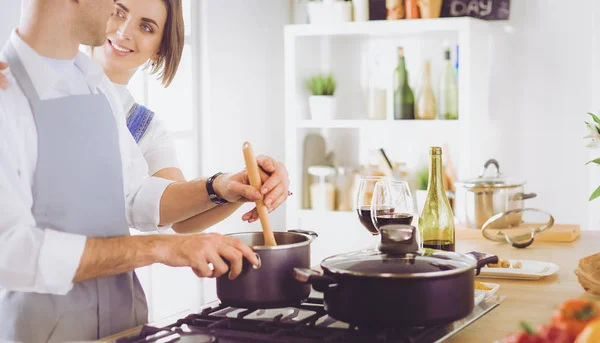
<point x="554" y="334"/>
<point x="574" y="314"/>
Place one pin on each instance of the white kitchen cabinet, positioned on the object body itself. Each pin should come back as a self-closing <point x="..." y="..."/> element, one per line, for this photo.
<point x="346" y="50"/>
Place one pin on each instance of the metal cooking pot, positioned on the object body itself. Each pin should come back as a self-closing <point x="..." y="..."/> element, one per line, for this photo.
<point x="273" y="284"/>
<point x="479" y="199"/>
<point x="397" y="284"/>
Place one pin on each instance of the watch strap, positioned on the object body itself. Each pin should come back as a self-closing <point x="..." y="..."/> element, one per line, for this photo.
<point x="211" y="191"/>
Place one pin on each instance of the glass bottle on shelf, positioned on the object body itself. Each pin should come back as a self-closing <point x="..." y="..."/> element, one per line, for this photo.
<point x="448" y="103"/>
<point x="377" y="92"/>
<point x="395" y="9"/>
<point x="436" y="222"/>
<point x="404" y="99"/>
<point x="426" y="106"/>
<point x="412" y="9"/>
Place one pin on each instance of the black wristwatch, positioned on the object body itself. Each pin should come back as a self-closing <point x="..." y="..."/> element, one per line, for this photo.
<point x="211" y="191"/>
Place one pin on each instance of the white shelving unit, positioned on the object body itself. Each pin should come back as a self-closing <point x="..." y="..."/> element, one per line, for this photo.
<point x="345" y="50"/>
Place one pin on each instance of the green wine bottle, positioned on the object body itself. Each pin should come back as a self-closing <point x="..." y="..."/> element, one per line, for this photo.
<point x="436" y="222"/>
<point x="404" y="100"/>
<point x="448" y="104"/>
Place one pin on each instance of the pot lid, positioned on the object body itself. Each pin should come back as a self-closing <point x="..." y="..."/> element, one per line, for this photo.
<point x="495" y="180"/>
<point x="399" y="256"/>
<point x="517" y="227"/>
<point x="421" y="264"/>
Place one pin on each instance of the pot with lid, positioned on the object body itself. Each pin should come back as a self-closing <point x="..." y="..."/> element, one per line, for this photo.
<point x="397" y="284"/>
<point x="479" y="199"/>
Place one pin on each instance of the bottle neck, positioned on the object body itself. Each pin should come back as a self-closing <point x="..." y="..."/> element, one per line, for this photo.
<point x="402" y="73"/>
<point x="436" y="183"/>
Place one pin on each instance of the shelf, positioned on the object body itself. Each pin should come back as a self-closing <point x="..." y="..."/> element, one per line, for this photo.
<point x="363" y="123"/>
<point x="386" y="28"/>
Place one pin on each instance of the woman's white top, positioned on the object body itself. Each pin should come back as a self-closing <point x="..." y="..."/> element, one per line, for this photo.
<point x="157" y="144"/>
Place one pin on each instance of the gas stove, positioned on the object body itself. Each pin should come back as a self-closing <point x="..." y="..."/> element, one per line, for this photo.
<point x="306" y="323"/>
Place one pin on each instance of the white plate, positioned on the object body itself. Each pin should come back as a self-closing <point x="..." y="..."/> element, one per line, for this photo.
<point x="479" y="297"/>
<point x="531" y="270"/>
<point x="487" y="294"/>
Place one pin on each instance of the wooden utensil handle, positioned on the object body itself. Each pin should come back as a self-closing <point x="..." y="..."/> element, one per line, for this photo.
<point x="256" y="182"/>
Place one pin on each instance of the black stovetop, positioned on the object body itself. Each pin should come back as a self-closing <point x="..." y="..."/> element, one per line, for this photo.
<point x="306" y="323"/>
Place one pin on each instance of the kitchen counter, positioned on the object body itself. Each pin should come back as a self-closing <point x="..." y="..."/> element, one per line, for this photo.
<point x="531" y="300"/>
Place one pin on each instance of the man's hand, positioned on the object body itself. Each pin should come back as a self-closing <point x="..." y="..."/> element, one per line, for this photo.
<point x="199" y="250"/>
<point x="3" y="79"/>
<point x="236" y="187"/>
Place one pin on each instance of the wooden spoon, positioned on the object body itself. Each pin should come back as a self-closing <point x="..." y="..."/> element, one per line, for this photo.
<point x="256" y="182"/>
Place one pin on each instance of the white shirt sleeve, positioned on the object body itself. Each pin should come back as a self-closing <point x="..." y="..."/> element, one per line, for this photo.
<point x="142" y="192"/>
<point x="158" y="147"/>
<point x="32" y="259"/>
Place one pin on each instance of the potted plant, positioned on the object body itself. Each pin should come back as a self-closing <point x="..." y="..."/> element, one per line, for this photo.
<point x="321" y="102"/>
<point x="594" y="136"/>
<point x="329" y="11"/>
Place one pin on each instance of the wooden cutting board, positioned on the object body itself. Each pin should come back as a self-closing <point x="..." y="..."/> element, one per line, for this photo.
<point x="564" y="233"/>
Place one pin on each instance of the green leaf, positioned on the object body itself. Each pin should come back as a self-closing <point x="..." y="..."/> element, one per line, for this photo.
<point x="596" y="119"/>
<point x="587" y="312"/>
<point x="596" y="161"/>
<point x="595" y="194"/>
<point x="528" y="328"/>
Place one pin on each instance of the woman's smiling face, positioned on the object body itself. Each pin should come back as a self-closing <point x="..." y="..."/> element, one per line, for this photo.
<point x="134" y="34"/>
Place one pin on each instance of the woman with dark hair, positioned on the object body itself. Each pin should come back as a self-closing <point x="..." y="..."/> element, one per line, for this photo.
<point x="150" y="34"/>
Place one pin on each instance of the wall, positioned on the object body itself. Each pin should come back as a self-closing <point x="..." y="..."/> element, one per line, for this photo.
<point x="244" y="44"/>
<point x="9" y="18"/>
<point x="554" y="80"/>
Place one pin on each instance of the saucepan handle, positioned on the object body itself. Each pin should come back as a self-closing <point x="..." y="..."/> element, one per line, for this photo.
<point x="306" y="232"/>
<point x="320" y="282"/>
<point x="483" y="259"/>
<point x="523" y="196"/>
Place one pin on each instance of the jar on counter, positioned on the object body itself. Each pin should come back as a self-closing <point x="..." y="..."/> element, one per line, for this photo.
<point x="322" y="188"/>
<point x="345" y="198"/>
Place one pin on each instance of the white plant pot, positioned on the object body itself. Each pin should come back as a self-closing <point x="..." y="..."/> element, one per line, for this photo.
<point x="329" y="11"/>
<point x="317" y="13"/>
<point x="322" y="107"/>
<point x="361" y="10"/>
<point x="342" y="12"/>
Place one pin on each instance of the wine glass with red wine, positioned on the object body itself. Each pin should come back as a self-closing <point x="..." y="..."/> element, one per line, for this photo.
<point x="366" y="187"/>
<point x="392" y="203"/>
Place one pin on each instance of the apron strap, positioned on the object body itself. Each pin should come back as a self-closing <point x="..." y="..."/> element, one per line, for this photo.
<point x="139" y="120"/>
<point x="20" y="74"/>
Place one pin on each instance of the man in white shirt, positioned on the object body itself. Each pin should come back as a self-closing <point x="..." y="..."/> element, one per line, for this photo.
<point x="72" y="180"/>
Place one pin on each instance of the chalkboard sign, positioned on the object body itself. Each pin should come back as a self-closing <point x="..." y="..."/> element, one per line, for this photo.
<point x="482" y="9"/>
<point x="377" y="10"/>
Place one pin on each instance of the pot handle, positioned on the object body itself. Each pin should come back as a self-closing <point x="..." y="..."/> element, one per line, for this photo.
<point x="487" y="164"/>
<point x="523" y="245"/>
<point x="306" y="232"/>
<point x="523" y="196"/>
<point x="483" y="259"/>
<point x="320" y="282"/>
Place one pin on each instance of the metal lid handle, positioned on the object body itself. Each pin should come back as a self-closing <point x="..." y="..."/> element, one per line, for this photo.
<point x="487" y="164"/>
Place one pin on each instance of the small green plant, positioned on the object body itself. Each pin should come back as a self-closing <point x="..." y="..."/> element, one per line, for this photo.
<point x="321" y="85"/>
<point x="423" y="179"/>
<point x="594" y="135"/>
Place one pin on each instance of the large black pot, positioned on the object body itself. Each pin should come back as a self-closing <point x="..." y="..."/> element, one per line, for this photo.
<point x="397" y="285"/>
<point x="273" y="284"/>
